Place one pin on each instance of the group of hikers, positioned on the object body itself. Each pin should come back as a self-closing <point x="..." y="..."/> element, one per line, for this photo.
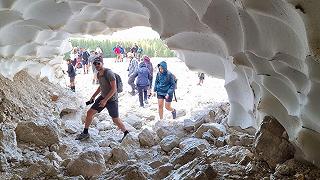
<point x="140" y="70"/>
<point x="122" y="52"/>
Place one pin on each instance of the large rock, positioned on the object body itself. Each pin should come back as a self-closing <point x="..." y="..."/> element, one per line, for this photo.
<point x="194" y="142"/>
<point x="134" y="121"/>
<point x="88" y="164"/>
<point x="147" y="138"/>
<point x="41" y="133"/>
<point x="186" y="155"/>
<point x="271" y="144"/>
<point x="169" y="142"/>
<point x="198" y="169"/>
<point x="119" y="155"/>
<point x="217" y="129"/>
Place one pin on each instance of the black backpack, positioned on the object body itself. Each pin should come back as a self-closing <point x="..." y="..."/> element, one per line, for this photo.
<point x="118" y="81"/>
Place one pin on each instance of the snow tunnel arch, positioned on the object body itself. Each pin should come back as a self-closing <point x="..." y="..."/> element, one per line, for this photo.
<point x="267" y="51"/>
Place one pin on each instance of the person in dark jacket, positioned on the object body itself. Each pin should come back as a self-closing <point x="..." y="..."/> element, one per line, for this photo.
<point x="72" y="74"/>
<point x="143" y="76"/>
<point x="149" y="65"/>
<point x="164" y="87"/>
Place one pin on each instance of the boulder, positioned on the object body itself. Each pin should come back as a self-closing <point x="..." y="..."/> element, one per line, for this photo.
<point x="169" y="142"/>
<point x="271" y="143"/>
<point x="194" y="142"/>
<point x="188" y="125"/>
<point x="217" y="129"/>
<point x="42" y="133"/>
<point x="186" y="155"/>
<point x="198" y="169"/>
<point x="147" y="138"/>
<point x="87" y="164"/>
<point x="119" y="154"/>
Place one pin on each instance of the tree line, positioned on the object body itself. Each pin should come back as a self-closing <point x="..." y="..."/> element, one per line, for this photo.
<point x="151" y="47"/>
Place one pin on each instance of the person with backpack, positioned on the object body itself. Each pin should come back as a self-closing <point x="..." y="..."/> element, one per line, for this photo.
<point x="149" y="65"/>
<point x="85" y="60"/>
<point x="164" y="88"/>
<point x="108" y="99"/>
<point x="72" y="74"/>
<point x="133" y="67"/>
<point x="143" y="76"/>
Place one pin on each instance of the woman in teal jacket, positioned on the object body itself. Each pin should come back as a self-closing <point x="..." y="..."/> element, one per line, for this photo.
<point x="164" y="87"/>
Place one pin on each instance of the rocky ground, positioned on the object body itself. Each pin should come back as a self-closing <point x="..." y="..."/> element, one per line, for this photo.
<point x="39" y="122"/>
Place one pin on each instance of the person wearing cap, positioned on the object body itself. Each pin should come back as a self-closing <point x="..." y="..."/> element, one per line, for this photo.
<point x="164" y="87"/>
<point x="108" y="99"/>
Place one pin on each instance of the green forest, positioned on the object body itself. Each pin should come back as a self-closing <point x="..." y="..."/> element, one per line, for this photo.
<point x="151" y="47"/>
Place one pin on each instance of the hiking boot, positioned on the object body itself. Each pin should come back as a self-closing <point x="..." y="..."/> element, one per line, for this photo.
<point x="174" y="114"/>
<point x="146" y="101"/>
<point x="82" y="136"/>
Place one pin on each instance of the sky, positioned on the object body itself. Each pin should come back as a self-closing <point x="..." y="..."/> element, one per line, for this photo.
<point x="134" y="33"/>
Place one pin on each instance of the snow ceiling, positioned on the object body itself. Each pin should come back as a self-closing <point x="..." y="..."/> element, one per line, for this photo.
<point x="266" y="50"/>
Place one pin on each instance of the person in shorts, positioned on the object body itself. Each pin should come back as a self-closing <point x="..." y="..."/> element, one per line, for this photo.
<point x="164" y="87"/>
<point x="108" y="98"/>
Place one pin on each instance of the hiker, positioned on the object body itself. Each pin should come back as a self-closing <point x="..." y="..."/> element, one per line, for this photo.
<point x="92" y="57"/>
<point x="85" y="60"/>
<point x="108" y="99"/>
<point x="72" y="74"/>
<point x="164" y="87"/>
<point x="149" y="65"/>
<point x="133" y="67"/>
<point x="143" y="77"/>
<point x="201" y="78"/>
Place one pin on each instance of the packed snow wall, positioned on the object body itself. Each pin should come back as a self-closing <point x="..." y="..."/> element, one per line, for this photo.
<point x="267" y="51"/>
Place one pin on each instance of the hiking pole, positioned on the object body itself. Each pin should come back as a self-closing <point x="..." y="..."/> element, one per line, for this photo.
<point x="175" y="97"/>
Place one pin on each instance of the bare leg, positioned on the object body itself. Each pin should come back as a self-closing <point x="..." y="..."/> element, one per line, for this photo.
<point x="90" y="114"/>
<point x="168" y="106"/>
<point x="160" y="108"/>
<point x="119" y="123"/>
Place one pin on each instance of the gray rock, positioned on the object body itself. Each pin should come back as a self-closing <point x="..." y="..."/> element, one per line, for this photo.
<point x="169" y="142"/>
<point x="41" y="133"/>
<point x="147" y="138"/>
<point x="198" y="169"/>
<point x="194" y="142"/>
<point x="88" y="164"/>
<point x="186" y="155"/>
<point x="119" y="155"/>
<point x="104" y="125"/>
<point x="188" y="125"/>
<point x="134" y="121"/>
<point x="217" y="129"/>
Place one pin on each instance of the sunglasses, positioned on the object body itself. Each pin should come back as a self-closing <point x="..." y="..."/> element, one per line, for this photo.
<point x="96" y="63"/>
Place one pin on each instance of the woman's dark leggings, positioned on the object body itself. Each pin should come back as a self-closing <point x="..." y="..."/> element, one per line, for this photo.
<point x="142" y="90"/>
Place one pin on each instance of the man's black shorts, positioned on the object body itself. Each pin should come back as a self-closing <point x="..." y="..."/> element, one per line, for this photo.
<point x="112" y="107"/>
<point x="164" y="97"/>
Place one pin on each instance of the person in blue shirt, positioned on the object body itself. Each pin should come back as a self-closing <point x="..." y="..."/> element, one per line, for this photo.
<point x="164" y="87"/>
